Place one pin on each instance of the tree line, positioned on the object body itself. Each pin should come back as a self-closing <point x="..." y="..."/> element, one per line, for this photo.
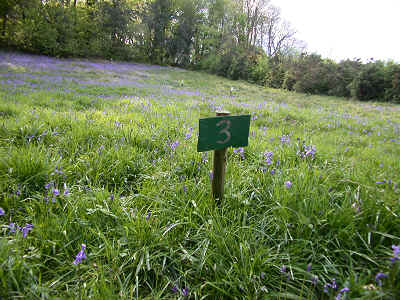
<point x="238" y="39"/>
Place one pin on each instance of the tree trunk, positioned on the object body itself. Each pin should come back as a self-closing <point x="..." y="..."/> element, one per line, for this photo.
<point x="4" y="27"/>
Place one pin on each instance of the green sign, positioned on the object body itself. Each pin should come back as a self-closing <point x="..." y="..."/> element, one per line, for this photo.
<point x="222" y="132"/>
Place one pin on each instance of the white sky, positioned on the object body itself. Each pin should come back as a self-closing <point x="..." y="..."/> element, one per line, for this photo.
<point x="341" y="29"/>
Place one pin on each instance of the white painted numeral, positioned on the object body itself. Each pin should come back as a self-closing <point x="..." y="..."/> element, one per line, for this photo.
<point x="225" y="131"/>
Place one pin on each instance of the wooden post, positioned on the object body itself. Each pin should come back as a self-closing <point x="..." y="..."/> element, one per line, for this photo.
<point x="218" y="179"/>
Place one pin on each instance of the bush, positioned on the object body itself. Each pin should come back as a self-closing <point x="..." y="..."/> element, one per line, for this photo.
<point x="369" y="84"/>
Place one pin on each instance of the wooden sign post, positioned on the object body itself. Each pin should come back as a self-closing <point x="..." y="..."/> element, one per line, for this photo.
<point x="218" y="134"/>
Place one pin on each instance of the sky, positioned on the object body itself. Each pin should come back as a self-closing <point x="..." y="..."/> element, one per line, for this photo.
<point x="341" y="29"/>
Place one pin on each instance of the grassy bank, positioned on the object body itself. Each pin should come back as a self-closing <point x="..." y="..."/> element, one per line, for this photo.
<point x="104" y="154"/>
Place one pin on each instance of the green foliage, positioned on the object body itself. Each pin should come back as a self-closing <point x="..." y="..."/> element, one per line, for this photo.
<point x="370" y="82"/>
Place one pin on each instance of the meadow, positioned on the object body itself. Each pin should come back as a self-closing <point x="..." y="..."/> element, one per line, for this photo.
<point x="104" y="196"/>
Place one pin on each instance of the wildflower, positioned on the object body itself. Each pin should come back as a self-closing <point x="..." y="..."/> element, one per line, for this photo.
<point x="148" y="216"/>
<point x="56" y="192"/>
<point x="189" y="134"/>
<point x="211" y="175"/>
<point x="314" y="280"/>
<point x="285" y="139"/>
<point x="396" y="251"/>
<point x="2" y="212"/>
<point x="59" y="171"/>
<point x="25" y="230"/>
<point x="66" y="190"/>
<point x="174" y="289"/>
<point x="174" y="145"/>
<point x="309" y="268"/>
<point x="288" y="184"/>
<point x="240" y="151"/>
<point x="379" y="276"/>
<point x="80" y="256"/>
<point x="262" y="275"/>
<point x="283" y="269"/>
<point x="204" y="158"/>
<point x="341" y="292"/>
<point x="185" y="292"/>
<point x="268" y="157"/>
<point x="12" y="228"/>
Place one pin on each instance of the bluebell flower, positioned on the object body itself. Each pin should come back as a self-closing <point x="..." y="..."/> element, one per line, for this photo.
<point x="148" y="216"/>
<point x="341" y="292"/>
<point x="268" y="157"/>
<point x="80" y="256"/>
<point x="396" y="251"/>
<point x="379" y="277"/>
<point x="2" y="212"/>
<point x="288" y="184"/>
<point x="25" y="230"/>
<point x="309" y="268"/>
<point x="189" y="134"/>
<point x="185" y="292"/>
<point x="12" y="227"/>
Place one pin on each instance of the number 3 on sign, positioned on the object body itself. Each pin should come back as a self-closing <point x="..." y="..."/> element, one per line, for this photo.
<point x="225" y="131"/>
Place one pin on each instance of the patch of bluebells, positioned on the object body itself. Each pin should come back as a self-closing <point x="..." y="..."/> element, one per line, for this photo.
<point x="306" y="151"/>
<point x="184" y="291"/>
<point x="331" y="285"/>
<point x="240" y="151"/>
<point x="25" y="230"/>
<point x="285" y="139"/>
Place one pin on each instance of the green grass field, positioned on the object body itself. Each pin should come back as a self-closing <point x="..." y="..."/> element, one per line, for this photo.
<point x="104" y="154"/>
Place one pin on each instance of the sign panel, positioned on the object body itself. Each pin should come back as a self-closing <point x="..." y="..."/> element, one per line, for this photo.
<point x="222" y="132"/>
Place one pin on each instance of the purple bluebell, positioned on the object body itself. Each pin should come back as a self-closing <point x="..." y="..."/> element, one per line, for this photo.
<point x="174" y="289"/>
<point x="285" y="139"/>
<point x="25" y="230"/>
<point x="288" y="184"/>
<point x="341" y="292"/>
<point x="204" y="157"/>
<point x="2" y="212"/>
<point x="283" y="269"/>
<point x="185" y="292"/>
<point x="56" y="192"/>
<point x="240" y="151"/>
<point x="174" y="145"/>
<point x="189" y="134"/>
<point x="148" y="216"/>
<point x="12" y="227"/>
<point x="80" y="256"/>
<point x="211" y="175"/>
<point x="309" y="268"/>
<point x="262" y="275"/>
<point x="268" y="157"/>
<point x="66" y="190"/>
<point x="396" y="251"/>
<point x="314" y="280"/>
<point x="379" y="277"/>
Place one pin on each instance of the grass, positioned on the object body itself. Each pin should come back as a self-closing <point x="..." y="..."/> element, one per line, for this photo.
<point x="86" y="157"/>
